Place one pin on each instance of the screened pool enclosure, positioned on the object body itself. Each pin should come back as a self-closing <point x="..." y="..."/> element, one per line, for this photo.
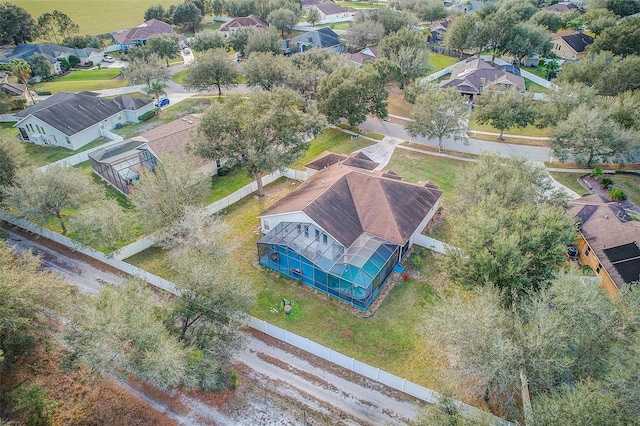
<point x="354" y="274"/>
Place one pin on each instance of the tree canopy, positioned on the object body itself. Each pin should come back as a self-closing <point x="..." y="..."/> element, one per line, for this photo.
<point x="267" y="71"/>
<point x="164" y="45"/>
<point x="55" y="26"/>
<point x="352" y="93"/>
<point x="266" y="132"/>
<point x="510" y="228"/>
<point x="438" y="114"/>
<point x="187" y="14"/>
<point x="41" y="195"/>
<point x="505" y="110"/>
<point x="284" y="19"/>
<point x="213" y="68"/>
<point x="622" y="39"/>
<point x="16" y="24"/>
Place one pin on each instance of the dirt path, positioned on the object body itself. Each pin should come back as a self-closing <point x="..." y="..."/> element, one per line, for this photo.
<point x="278" y="384"/>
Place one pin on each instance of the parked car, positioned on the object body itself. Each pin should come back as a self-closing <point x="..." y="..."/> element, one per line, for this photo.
<point x="186" y="50"/>
<point x="108" y="58"/>
<point x="162" y="102"/>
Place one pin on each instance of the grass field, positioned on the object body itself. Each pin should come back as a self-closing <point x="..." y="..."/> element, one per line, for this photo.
<point x="570" y="180"/>
<point x="334" y="26"/>
<point x="415" y="166"/>
<point x="526" y="131"/>
<point x="630" y="185"/>
<point x="439" y="61"/>
<point x="78" y="81"/>
<point x="39" y="155"/>
<point x="332" y="140"/>
<point x="361" y="4"/>
<point x="96" y="16"/>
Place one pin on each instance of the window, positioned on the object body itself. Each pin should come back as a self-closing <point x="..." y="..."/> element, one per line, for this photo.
<point x="306" y="231"/>
<point x="299" y="229"/>
<point x="266" y="225"/>
<point x="587" y="251"/>
<point x="324" y="238"/>
<point x="318" y="234"/>
<point x="598" y="268"/>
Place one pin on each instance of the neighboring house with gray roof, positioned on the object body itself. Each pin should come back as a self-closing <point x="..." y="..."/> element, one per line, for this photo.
<point x="140" y="34"/>
<point x="563" y="7"/>
<point x="475" y="75"/>
<point x="344" y="230"/>
<point x="52" y="52"/>
<point x="322" y="38"/>
<point x="570" y="44"/>
<point x="72" y="120"/>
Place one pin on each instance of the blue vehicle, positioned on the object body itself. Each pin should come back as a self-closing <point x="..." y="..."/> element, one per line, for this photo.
<point x="162" y="102"/>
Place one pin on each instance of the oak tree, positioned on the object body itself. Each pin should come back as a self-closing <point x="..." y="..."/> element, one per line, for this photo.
<point x="213" y="68"/>
<point x="265" y="133"/>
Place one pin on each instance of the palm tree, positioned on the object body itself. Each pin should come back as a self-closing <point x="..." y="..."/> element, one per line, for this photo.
<point x="21" y="69"/>
<point x="156" y="88"/>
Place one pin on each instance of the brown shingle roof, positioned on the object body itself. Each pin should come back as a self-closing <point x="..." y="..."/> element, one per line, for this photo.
<point x="245" y="21"/>
<point x="602" y="228"/>
<point x="172" y="138"/>
<point x="143" y="32"/>
<point x="472" y="75"/>
<point x="346" y="202"/>
<point x="329" y="8"/>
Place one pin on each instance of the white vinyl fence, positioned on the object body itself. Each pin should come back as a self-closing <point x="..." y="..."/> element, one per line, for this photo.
<point x="293" y="339"/>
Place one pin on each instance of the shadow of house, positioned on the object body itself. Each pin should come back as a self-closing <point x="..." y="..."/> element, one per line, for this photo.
<point x="121" y="165"/>
<point x="344" y="230"/>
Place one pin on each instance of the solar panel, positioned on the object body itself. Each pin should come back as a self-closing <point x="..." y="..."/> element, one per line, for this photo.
<point x="623" y="252"/>
<point x="629" y="270"/>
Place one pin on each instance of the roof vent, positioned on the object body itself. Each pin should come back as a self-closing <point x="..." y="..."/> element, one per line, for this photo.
<point x="606" y="216"/>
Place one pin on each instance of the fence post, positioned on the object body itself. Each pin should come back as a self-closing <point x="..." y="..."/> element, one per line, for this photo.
<point x="264" y="326"/>
<point x="404" y="382"/>
<point x="378" y="375"/>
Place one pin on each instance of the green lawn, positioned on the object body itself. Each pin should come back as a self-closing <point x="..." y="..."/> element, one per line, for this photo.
<point x="361" y="4"/>
<point x="213" y="26"/>
<point x="335" y="141"/>
<point x="179" y="76"/>
<point x="388" y="339"/>
<point x="415" y="166"/>
<point x="335" y="25"/>
<point x="570" y="180"/>
<point x="439" y="61"/>
<point x="221" y="186"/>
<point x="630" y="185"/>
<point x="96" y="16"/>
<point x="530" y="86"/>
<point x="78" y="81"/>
<point x="39" y="155"/>
<point x="526" y="131"/>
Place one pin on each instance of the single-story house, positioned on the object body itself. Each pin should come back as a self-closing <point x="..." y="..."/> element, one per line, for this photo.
<point x="173" y="139"/>
<point x="15" y="90"/>
<point x="52" y="52"/>
<point x="330" y="10"/>
<point x="307" y="4"/>
<point x="562" y="7"/>
<point x="120" y="165"/>
<point x="437" y="30"/>
<point x="322" y="38"/>
<point x="140" y="34"/>
<point x="365" y="55"/>
<point x="570" y="44"/>
<point x="251" y="21"/>
<point x="345" y="229"/>
<point x="473" y="76"/>
<point x="72" y="120"/>
<point x="609" y="241"/>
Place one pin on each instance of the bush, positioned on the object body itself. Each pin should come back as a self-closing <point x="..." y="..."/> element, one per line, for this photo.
<point x="596" y="172"/>
<point x="224" y="170"/>
<point x="43" y="93"/>
<point x="616" y="194"/>
<point x="606" y="182"/>
<point x="148" y="115"/>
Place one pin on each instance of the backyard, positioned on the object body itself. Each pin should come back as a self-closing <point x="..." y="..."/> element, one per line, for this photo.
<point x="77" y="81"/>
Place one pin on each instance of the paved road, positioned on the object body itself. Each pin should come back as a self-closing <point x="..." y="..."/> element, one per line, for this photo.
<point x="475" y="146"/>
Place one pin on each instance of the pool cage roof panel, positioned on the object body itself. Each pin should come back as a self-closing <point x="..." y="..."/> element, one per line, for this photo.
<point x="359" y="264"/>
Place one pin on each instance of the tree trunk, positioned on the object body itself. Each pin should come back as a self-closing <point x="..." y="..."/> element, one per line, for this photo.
<point x="501" y="137"/>
<point x="526" y="398"/>
<point x="260" y="192"/>
<point x="219" y="90"/>
<point x="167" y="59"/>
<point x="440" y="147"/>
<point x="64" y="228"/>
